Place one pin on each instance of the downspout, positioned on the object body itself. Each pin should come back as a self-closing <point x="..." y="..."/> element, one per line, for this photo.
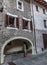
<point x="34" y="33"/>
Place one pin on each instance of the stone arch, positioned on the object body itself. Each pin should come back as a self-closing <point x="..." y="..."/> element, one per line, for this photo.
<point x="11" y="39"/>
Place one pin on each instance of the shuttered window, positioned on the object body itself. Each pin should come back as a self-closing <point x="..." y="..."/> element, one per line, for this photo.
<point x="11" y="21"/>
<point x="27" y="24"/>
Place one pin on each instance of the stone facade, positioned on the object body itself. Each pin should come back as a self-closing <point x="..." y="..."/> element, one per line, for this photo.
<point x="10" y="6"/>
<point x="9" y="34"/>
<point x="40" y="29"/>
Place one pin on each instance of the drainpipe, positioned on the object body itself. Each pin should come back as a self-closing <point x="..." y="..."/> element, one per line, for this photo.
<point x="34" y="33"/>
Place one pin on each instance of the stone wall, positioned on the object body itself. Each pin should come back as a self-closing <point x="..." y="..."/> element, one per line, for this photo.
<point x="5" y="33"/>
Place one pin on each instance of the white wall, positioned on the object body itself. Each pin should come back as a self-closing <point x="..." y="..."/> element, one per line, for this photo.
<point x="39" y="17"/>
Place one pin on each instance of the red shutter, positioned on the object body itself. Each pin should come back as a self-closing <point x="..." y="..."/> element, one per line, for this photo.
<point x="24" y="24"/>
<point x="31" y="25"/>
<point x="6" y="20"/>
<point x="17" y="22"/>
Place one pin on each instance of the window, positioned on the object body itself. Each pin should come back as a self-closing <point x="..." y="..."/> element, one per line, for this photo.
<point x="11" y="21"/>
<point x="1" y="7"/>
<point x="27" y="24"/>
<point x="44" y="11"/>
<point x="20" y="5"/>
<point x="45" y="23"/>
<point x="37" y="8"/>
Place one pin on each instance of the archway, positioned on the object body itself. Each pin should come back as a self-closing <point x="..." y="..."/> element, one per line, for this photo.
<point x="8" y="42"/>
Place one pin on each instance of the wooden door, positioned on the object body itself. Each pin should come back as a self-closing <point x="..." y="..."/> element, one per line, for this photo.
<point x="45" y="40"/>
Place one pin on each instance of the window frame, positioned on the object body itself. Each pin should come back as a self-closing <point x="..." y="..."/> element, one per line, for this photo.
<point x="21" y="7"/>
<point x="25" y="23"/>
<point x="10" y="23"/>
<point x="29" y="29"/>
<point x="45" y="23"/>
<point x="15" y="16"/>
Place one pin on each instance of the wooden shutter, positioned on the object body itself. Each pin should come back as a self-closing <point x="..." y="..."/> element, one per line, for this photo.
<point x="24" y="24"/>
<point x="31" y="25"/>
<point x="17" y="22"/>
<point x="6" y="20"/>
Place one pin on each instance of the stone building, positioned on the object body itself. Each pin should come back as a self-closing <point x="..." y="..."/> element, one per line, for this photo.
<point x="20" y="24"/>
<point x="16" y="28"/>
<point x="40" y="19"/>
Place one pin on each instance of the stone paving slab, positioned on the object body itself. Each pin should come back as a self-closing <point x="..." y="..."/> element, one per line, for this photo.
<point x="32" y="60"/>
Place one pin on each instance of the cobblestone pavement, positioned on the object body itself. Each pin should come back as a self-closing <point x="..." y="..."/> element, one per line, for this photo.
<point x="40" y="59"/>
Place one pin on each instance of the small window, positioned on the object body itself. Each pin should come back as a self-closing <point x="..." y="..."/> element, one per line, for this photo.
<point x="1" y="7"/>
<point x="45" y="23"/>
<point x="20" y="5"/>
<point x="11" y="21"/>
<point x="43" y="11"/>
<point x="37" y="8"/>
